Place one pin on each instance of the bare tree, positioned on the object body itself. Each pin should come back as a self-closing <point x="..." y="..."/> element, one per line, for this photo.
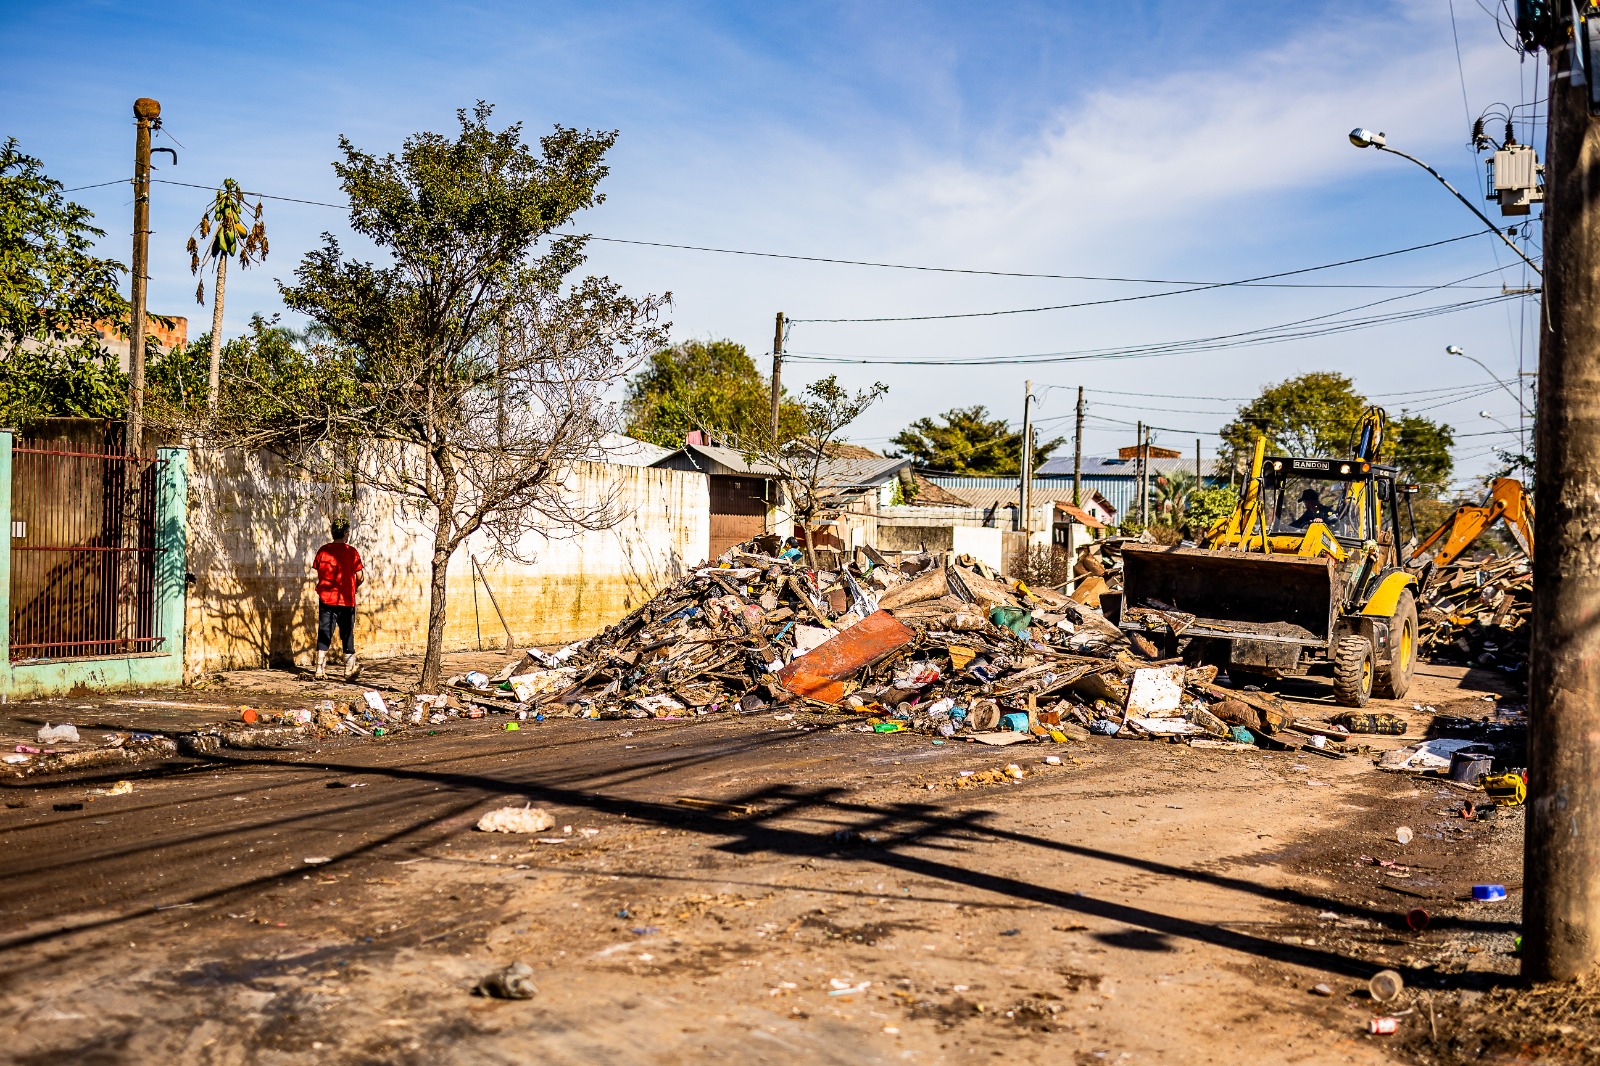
<point x="801" y="461"/>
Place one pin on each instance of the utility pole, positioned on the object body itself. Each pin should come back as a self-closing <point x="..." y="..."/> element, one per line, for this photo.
<point x="1138" y="470"/>
<point x="1077" y="455"/>
<point x="1025" y="493"/>
<point x="146" y="114"/>
<point x="777" y="374"/>
<point x="1199" y="478"/>
<point x="1561" y="908"/>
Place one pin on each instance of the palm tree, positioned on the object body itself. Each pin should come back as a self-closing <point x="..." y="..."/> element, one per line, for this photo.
<point x="224" y="223"/>
<point x="1172" y="492"/>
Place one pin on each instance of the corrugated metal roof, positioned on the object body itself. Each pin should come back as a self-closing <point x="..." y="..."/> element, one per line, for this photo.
<point x="856" y="472"/>
<point x="713" y="459"/>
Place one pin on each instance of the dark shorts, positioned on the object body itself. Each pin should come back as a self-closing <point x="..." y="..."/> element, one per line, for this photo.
<point x="345" y="618"/>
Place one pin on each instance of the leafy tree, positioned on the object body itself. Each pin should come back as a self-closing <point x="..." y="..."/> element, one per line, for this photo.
<point x="1315" y="414"/>
<point x="224" y="223"/>
<point x="53" y="291"/>
<point x="467" y="372"/>
<point x="800" y="458"/>
<point x="967" y="441"/>
<point x="697" y="384"/>
<point x="1421" y="451"/>
<point x="1318" y="414"/>
<point x="56" y="381"/>
<point x="1206" y="507"/>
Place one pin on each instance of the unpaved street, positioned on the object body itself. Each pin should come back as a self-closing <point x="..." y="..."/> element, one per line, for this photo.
<point x="1139" y="903"/>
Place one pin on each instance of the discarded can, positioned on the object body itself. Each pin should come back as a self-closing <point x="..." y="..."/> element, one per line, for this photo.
<point x="1488" y="893"/>
<point x="1418" y="919"/>
<point x="1383" y="1026"/>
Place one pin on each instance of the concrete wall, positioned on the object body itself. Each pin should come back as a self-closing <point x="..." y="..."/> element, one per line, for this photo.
<point x="255" y="527"/>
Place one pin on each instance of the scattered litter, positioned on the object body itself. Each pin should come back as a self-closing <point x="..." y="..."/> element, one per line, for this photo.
<point x="58" y="734"/>
<point x="317" y="860"/>
<point x="1403" y="835"/>
<point x="513" y="982"/>
<point x="1386" y="985"/>
<point x="121" y="788"/>
<point x="1488" y="893"/>
<point x="1383" y="1026"/>
<point x="516" y="820"/>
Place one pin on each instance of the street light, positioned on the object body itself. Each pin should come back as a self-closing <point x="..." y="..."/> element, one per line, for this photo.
<point x="1364" y="138"/>
<point x="1496" y="421"/>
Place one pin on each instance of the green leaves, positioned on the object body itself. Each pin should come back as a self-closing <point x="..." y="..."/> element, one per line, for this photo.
<point x="224" y="223"/>
<point x="1317" y="414"/>
<point x="52" y="289"/>
<point x="967" y="441"/>
<point x="704" y="385"/>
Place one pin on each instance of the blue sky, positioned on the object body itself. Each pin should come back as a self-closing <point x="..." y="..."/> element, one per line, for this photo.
<point x="1191" y="141"/>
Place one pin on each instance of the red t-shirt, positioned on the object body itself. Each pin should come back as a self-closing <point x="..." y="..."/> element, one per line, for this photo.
<point x="337" y="566"/>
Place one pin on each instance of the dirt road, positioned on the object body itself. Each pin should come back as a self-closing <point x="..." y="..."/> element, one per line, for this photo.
<point x="1141" y="902"/>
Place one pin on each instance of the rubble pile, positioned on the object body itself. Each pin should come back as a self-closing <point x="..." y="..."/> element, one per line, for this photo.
<point x="1477" y="613"/>
<point x="934" y="644"/>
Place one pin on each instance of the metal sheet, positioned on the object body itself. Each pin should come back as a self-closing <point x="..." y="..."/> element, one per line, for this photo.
<point x="820" y="674"/>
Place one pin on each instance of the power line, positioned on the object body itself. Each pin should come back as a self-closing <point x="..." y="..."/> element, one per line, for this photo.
<point x="1256" y="282"/>
<point x="1247" y="338"/>
<point x="999" y="273"/>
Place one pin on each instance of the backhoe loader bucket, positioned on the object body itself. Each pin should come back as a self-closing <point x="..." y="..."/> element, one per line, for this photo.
<point x="1243" y="594"/>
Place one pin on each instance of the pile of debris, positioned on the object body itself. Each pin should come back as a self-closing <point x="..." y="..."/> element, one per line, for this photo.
<point x="1476" y="613"/>
<point x="933" y="644"/>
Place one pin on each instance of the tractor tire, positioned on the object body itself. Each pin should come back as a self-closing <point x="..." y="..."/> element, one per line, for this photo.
<point x="1352" y="671"/>
<point x="1393" y="680"/>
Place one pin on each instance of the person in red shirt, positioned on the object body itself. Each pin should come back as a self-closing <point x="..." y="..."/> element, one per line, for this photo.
<point x="338" y="568"/>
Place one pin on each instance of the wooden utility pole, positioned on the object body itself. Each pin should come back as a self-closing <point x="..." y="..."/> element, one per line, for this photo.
<point x="1199" y="478"/>
<point x="1077" y="455"/>
<point x="1025" y="493"/>
<point x="1561" y="863"/>
<point x="146" y="114"/>
<point x="777" y="374"/>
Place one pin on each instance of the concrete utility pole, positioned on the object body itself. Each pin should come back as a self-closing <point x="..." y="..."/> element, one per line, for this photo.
<point x="1561" y="910"/>
<point x="1025" y="493"/>
<point x="777" y="374"/>
<point x="1077" y="455"/>
<point x="146" y="113"/>
<point x="1139" y="458"/>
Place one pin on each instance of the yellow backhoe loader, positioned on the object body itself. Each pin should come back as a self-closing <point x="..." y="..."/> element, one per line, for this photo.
<point x="1305" y="573"/>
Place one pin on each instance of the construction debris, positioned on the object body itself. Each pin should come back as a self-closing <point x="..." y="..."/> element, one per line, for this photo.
<point x="933" y="644"/>
<point x="1476" y="613"/>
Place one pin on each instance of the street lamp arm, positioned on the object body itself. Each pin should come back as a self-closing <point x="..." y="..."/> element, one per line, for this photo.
<point x="1469" y="204"/>
<point x="1522" y="406"/>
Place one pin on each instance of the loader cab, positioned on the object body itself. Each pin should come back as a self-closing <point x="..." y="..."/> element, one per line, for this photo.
<point x="1354" y="500"/>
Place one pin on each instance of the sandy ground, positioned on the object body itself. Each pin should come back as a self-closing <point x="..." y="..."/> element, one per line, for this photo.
<point x="1142" y="902"/>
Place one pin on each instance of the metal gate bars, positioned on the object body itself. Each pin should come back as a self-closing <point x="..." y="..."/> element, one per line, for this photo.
<point x="83" y="551"/>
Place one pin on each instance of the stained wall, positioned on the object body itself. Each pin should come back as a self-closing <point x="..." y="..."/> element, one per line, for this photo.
<point x="255" y="525"/>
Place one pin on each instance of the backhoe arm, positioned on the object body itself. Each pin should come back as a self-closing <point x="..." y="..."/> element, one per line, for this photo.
<point x="1506" y="500"/>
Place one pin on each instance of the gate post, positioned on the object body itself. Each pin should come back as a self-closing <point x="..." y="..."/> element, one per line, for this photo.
<point x="172" y="560"/>
<point x="7" y="438"/>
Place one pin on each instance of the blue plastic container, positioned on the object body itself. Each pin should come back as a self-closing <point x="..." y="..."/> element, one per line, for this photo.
<point x="1488" y="893"/>
<point x="1017" y="723"/>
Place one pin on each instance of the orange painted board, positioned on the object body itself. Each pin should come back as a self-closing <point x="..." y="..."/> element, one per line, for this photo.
<point x="820" y="673"/>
